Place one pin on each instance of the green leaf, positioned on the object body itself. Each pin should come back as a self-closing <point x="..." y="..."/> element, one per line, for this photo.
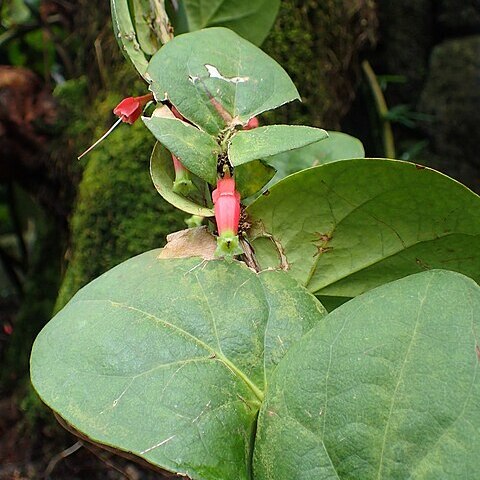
<point x="126" y="35"/>
<point x="349" y="226"/>
<point x="386" y="387"/>
<point x="252" y="177"/>
<point x="262" y="142"/>
<point x="143" y="19"/>
<point x="14" y="13"/>
<point x="252" y="20"/>
<point x="169" y="359"/>
<point x="338" y="146"/>
<point x="195" y="149"/>
<point x="217" y="79"/>
<point x="163" y="176"/>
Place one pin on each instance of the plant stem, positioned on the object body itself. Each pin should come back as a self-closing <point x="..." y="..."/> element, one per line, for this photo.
<point x="382" y="109"/>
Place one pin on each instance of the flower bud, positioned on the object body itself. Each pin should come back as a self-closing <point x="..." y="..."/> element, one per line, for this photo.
<point x="252" y="123"/>
<point x="194" y="221"/>
<point x="183" y="184"/>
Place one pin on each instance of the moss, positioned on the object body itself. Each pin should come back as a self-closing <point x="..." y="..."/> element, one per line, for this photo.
<point x="318" y="43"/>
<point x="118" y="212"/>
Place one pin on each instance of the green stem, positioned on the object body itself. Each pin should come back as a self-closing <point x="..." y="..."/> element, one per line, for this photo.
<point x="257" y="392"/>
<point x="381" y="104"/>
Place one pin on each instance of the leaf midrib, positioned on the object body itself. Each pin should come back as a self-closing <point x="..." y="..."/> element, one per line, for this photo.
<point x="400" y="377"/>
<point x="217" y="355"/>
<point x="468" y="397"/>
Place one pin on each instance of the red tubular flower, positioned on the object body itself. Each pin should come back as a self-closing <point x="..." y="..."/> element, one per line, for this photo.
<point x="227" y="214"/>
<point x="183" y="183"/>
<point x="252" y="123"/>
<point x="130" y="109"/>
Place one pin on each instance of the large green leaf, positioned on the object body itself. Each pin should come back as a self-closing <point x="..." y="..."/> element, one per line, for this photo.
<point x="338" y="146"/>
<point x="169" y="359"/>
<point x="126" y="35"/>
<point x="195" y="149"/>
<point x="262" y="142"/>
<point x="216" y="79"/>
<point x="251" y="19"/>
<point x="386" y="387"/>
<point x="348" y="226"/>
<point x="252" y="176"/>
<point x="163" y="176"/>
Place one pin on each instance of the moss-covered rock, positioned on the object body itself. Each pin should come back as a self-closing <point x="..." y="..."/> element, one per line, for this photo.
<point x="452" y="97"/>
<point x="318" y="43"/>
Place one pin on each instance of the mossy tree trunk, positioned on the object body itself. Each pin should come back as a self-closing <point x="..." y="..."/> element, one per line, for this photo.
<point x="319" y="43"/>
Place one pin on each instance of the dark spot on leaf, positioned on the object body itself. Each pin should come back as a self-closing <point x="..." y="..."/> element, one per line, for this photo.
<point x="244" y="223"/>
<point x="419" y="167"/>
<point x="321" y="250"/>
<point x="422" y="264"/>
<point x="323" y="237"/>
<point x="266" y="193"/>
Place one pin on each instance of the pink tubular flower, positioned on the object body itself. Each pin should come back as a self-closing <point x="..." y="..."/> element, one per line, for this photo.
<point x="252" y="123"/>
<point x="130" y="109"/>
<point x="227" y="214"/>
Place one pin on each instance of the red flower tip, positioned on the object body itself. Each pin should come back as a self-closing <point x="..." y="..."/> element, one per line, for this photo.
<point x="227" y="214"/>
<point x="130" y="109"/>
<point x="252" y="123"/>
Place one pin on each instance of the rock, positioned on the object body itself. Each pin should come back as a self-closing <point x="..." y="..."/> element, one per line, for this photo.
<point x="452" y="96"/>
